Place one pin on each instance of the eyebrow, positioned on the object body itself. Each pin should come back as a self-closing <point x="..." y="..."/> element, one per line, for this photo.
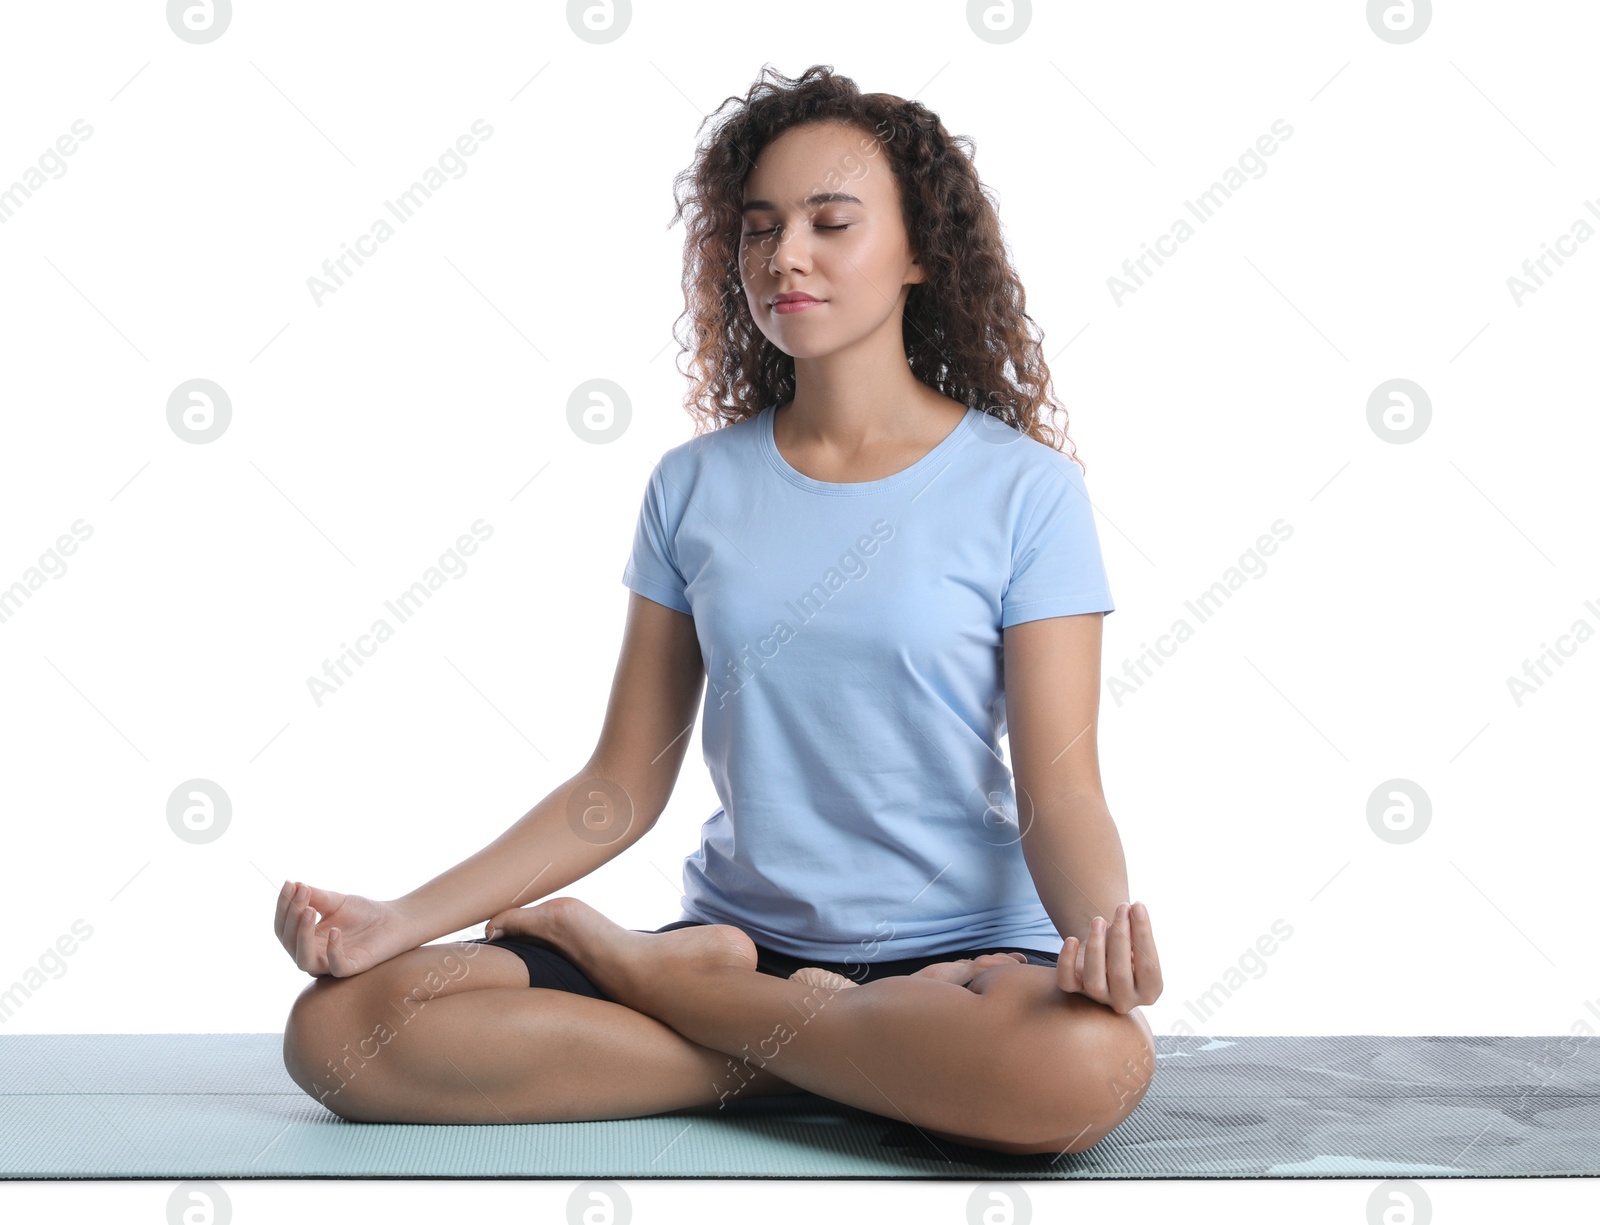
<point x="826" y="197"/>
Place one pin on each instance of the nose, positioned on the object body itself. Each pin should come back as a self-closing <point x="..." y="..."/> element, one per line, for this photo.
<point x="789" y="251"/>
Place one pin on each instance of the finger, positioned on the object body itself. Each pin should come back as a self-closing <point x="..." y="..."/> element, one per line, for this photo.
<point x="280" y="918"/>
<point x="306" y="955"/>
<point x="325" y="900"/>
<point x="1067" y="966"/>
<point x="291" y="922"/>
<point x="1119" y="962"/>
<point x="285" y="918"/>
<point x="339" y="964"/>
<point x="305" y="950"/>
<point x="1146" y="965"/>
<point x="1094" y="960"/>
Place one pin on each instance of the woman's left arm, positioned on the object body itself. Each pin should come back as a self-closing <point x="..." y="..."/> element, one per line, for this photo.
<point x="1070" y="842"/>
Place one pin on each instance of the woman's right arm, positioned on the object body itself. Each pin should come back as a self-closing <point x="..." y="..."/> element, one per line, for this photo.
<point x="586" y="821"/>
<point x="603" y="809"/>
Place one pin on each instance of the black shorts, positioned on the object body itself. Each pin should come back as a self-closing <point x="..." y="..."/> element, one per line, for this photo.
<point x="550" y="969"/>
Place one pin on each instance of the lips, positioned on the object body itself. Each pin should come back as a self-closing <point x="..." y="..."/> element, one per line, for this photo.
<point x="783" y="298"/>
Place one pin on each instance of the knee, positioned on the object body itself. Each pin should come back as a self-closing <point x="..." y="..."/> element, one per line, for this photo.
<point x="339" y="1027"/>
<point x="1080" y="1088"/>
<point x="323" y="1048"/>
<point x="1096" y="1091"/>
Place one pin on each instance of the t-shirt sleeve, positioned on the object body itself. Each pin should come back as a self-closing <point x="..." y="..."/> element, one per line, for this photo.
<point x="652" y="567"/>
<point x="1056" y="567"/>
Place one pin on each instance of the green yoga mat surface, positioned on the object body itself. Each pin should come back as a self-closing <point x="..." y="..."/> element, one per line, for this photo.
<point x="222" y="1106"/>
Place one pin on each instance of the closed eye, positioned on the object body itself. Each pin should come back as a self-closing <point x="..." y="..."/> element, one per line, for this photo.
<point x="770" y="229"/>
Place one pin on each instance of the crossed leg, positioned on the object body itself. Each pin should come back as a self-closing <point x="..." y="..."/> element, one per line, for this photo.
<point x="1006" y="1061"/>
<point x="452" y="1033"/>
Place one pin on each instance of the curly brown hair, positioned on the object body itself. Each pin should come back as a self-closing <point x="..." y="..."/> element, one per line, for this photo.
<point x="966" y="332"/>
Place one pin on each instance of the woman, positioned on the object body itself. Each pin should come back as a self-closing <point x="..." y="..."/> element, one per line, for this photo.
<point x="880" y="560"/>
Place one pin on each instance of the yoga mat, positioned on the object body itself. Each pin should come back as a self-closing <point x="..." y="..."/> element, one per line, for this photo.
<point x="222" y="1106"/>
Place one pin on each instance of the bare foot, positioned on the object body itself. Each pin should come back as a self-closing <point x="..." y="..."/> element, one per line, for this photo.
<point x="623" y="963"/>
<point x="957" y="972"/>
<point x="816" y="976"/>
<point x="964" y="971"/>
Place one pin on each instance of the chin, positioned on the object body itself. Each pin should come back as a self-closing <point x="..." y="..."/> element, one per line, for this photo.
<point x="800" y="351"/>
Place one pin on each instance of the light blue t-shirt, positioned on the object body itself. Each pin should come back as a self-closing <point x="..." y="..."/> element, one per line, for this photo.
<point x="854" y="700"/>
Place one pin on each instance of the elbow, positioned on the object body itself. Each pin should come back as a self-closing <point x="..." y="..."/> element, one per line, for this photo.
<point x="606" y="806"/>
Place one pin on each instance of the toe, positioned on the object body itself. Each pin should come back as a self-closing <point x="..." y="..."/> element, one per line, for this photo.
<point x="816" y="976"/>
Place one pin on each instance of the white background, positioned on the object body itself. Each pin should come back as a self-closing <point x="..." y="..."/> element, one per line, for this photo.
<point x="368" y="432"/>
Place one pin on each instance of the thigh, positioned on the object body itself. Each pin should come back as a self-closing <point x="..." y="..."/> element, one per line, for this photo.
<point x="393" y="992"/>
<point x="546" y="967"/>
<point x="430" y="971"/>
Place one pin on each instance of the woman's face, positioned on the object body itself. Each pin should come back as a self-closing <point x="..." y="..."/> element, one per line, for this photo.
<point x="822" y="217"/>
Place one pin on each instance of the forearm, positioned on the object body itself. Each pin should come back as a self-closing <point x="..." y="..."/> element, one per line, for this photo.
<point x="578" y="827"/>
<point x="1074" y="855"/>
